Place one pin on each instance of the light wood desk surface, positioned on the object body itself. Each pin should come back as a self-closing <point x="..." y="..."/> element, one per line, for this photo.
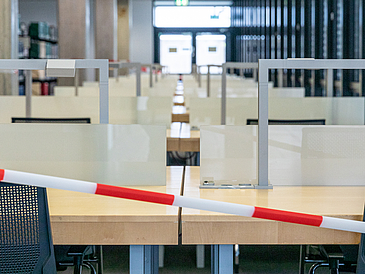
<point x="78" y="218"/>
<point x="203" y="227"/>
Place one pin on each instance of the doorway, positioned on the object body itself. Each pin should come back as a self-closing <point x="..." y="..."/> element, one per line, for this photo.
<point x="210" y="50"/>
<point x="176" y="52"/>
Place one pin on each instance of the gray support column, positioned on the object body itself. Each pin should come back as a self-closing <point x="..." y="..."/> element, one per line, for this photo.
<point x="28" y="93"/>
<point x="143" y="259"/>
<point x="222" y="259"/>
<point x="200" y="256"/>
<point x="151" y="76"/>
<point x="138" y="79"/>
<point x="76" y="80"/>
<point x="330" y="83"/>
<point x="199" y="77"/>
<point x="208" y="82"/>
<point x="263" y="129"/>
<point x="156" y="74"/>
<point x="104" y="93"/>
<point x="224" y="95"/>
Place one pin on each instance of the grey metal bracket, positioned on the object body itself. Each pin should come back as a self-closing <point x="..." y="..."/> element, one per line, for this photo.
<point x="294" y="63"/>
<point x="137" y="66"/>
<point x="225" y="66"/>
<point x="28" y="65"/>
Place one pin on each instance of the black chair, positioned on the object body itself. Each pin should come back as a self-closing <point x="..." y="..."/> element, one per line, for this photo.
<point x="26" y="238"/>
<point x="76" y="256"/>
<point x="339" y="258"/>
<point x="254" y="122"/>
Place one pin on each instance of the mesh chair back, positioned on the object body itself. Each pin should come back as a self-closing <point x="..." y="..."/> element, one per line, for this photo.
<point x="51" y="120"/>
<point x="289" y="122"/>
<point x="26" y="240"/>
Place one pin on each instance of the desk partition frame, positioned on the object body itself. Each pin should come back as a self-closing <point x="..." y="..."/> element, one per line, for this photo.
<point x="137" y="66"/>
<point x="152" y="67"/>
<point x="29" y="65"/>
<point x="263" y="100"/>
<point x="208" y="78"/>
<point x="230" y="65"/>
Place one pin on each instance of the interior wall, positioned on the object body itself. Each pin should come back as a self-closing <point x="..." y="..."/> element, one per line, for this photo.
<point x="71" y="38"/>
<point x="106" y="29"/>
<point x="39" y="10"/>
<point x="141" y="48"/>
<point x="123" y="30"/>
<point x="8" y="44"/>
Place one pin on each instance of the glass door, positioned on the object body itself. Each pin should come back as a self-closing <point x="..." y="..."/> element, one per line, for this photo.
<point x="176" y="52"/>
<point x="210" y="50"/>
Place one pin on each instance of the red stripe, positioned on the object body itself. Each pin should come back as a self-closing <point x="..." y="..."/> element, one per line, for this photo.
<point x="287" y="216"/>
<point x="135" y="194"/>
<point x="2" y="173"/>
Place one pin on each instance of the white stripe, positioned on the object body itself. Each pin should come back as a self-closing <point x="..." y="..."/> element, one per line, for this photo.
<point x="222" y="207"/>
<point x="343" y="224"/>
<point x="25" y="178"/>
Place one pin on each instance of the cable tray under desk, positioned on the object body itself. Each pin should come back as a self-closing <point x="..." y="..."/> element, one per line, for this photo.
<point x="209" y="183"/>
<point x="225" y="184"/>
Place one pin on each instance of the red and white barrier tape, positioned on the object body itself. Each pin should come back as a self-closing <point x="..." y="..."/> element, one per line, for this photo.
<point x="24" y="178"/>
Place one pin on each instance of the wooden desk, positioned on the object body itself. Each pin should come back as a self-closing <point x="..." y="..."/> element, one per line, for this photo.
<point x="222" y="231"/>
<point x="180" y="114"/>
<point x="78" y="218"/>
<point x="203" y="227"/>
<point x="180" y="138"/>
<point x="189" y="139"/>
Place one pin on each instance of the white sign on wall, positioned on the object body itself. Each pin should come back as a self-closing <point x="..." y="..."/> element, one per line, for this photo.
<point x="192" y="17"/>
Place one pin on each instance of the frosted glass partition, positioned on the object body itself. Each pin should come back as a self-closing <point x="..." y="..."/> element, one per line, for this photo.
<point x="88" y="90"/>
<point x="11" y="106"/>
<point x="85" y="91"/>
<point x="227" y="155"/>
<point x="122" y="110"/>
<point x="66" y="107"/>
<point x="141" y="110"/>
<point x="336" y="111"/>
<point x="110" y="154"/>
<point x="298" y="155"/>
<point x="154" y="111"/>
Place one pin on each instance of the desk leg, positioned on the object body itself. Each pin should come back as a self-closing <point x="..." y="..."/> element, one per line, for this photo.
<point x="143" y="259"/>
<point x="222" y="259"/>
<point x="200" y="256"/>
<point x="302" y="253"/>
<point x="161" y="255"/>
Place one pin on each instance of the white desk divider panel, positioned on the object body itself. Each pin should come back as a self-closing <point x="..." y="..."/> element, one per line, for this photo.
<point x="115" y="154"/>
<point x="141" y="110"/>
<point x="29" y="65"/>
<point x="227" y="157"/>
<point x="154" y="111"/>
<point x="91" y="84"/>
<point x="263" y="112"/>
<point x="11" y="106"/>
<point x="298" y="155"/>
<point x="335" y="110"/>
<point x="66" y="107"/>
<point x="225" y="66"/>
<point x="88" y="90"/>
<point x="137" y="66"/>
<point x="65" y="91"/>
